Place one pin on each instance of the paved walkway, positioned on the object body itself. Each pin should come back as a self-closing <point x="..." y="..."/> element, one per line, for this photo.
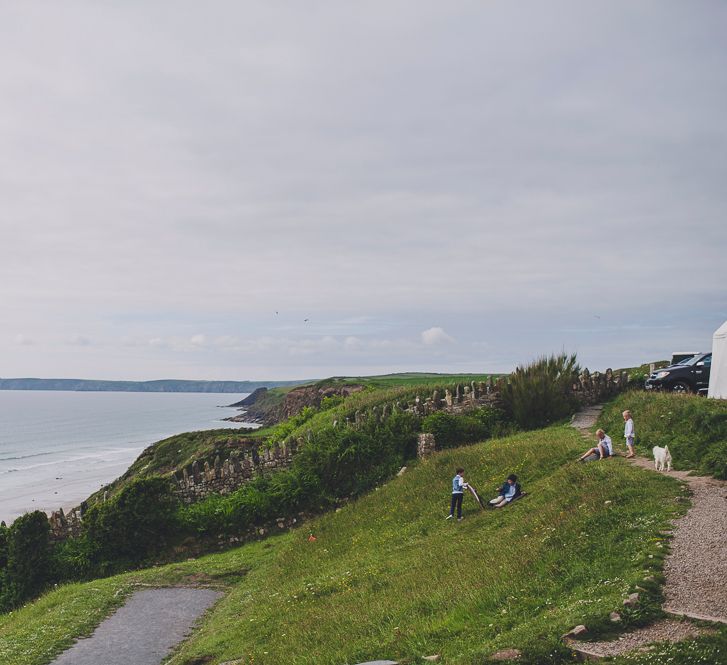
<point x="144" y="630"/>
<point x="695" y="568"/>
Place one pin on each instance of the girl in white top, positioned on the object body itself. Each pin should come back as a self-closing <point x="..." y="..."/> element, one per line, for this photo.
<point x="629" y="433"/>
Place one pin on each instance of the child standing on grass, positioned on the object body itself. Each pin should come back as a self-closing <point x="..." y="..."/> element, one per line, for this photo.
<point x="629" y="433"/>
<point x="458" y="488"/>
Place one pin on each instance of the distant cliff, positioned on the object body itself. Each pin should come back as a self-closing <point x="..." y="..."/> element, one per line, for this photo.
<point x="159" y="386"/>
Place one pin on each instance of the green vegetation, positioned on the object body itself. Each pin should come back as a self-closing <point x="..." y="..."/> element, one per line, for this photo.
<point x="24" y="552"/>
<point x="388" y="577"/>
<point x="406" y="379"/>
<point x="694" y="428"/>
<point x="541" y="393"/>
<point x="451" y="430"/>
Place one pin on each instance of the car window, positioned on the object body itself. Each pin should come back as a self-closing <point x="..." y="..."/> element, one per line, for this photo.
<point x="707" y="360"/>
<point x="691" y="361"/>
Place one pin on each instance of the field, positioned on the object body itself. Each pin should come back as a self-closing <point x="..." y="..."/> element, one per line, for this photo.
<point x="388" y="577"/>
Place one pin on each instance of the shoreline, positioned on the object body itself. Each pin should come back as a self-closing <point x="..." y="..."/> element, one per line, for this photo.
<point x="83" y="441"/>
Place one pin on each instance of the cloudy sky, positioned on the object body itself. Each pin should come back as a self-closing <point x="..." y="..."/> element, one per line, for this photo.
<point x="233" y="190"/>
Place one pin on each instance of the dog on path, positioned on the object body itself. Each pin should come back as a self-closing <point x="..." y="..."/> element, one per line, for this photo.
<point x="662" y="458"/>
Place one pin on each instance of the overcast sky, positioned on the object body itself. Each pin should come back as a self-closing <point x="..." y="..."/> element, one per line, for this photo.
<point x="234" y="190"/>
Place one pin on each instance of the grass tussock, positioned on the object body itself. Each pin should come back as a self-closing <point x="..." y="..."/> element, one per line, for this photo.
<point x="388" y="577"/>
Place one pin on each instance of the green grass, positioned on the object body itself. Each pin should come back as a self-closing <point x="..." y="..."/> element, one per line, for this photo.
<point x="407" y="379"/>
<point x="694" y="428"/>
<point x="387" y="577"/>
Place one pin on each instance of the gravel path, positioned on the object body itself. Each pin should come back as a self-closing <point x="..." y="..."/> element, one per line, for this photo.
<point x="144" y="630"/>
<point x="663" y="630"/>
<point x="696" y="566"/>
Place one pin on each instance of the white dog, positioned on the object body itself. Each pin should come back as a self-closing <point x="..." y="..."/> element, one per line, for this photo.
<point x="662" y="458"/>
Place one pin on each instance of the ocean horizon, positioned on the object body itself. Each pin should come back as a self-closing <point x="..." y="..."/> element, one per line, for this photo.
<point x="58" y="447"/>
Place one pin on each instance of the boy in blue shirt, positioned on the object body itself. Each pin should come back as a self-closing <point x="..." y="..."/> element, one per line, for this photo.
<point x="510" y="490"/>
<point x="458" y="488"/>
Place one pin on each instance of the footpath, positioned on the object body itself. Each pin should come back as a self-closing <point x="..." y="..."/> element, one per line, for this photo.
<point x="695" y="568"/>
<point x="143" y="632"/>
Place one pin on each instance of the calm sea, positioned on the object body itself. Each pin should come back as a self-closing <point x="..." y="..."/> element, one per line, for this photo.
<point x="57" y="447"/>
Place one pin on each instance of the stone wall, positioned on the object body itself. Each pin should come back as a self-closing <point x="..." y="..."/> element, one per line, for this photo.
<point x="204" y="477"/>
<point x="229" y="469"/>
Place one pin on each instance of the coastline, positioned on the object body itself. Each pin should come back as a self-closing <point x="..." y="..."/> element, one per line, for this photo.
<point x="83" y="441"/>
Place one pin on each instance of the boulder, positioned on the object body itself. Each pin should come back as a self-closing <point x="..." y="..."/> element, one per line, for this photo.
<point x="632" y="600"/>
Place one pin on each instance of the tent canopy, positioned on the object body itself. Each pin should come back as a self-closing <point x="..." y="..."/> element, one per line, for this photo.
<point x="718" y="372"/>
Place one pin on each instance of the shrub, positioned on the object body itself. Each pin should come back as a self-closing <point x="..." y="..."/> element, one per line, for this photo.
<point x="541" y="393"/>
<point x="27" y="559"/>
<point x="455" y="430"/>
<point x="132" y="526"/>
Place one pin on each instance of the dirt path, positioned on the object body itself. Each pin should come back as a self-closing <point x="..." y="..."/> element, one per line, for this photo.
<point x="695" y="568"/>
<point x="144" y="630"/>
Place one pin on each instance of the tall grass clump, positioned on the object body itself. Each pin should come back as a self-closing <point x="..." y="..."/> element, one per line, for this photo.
<point x="542" y="392"/>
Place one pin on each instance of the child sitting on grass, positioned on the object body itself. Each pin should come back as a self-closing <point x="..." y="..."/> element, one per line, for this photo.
<point x="510" y="490"/>
<point x="458" y="488"/>
<point x="603" y="448"/>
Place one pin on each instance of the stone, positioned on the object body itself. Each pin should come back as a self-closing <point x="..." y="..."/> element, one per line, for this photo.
<point x="432" y="659"/>
<point x="632" y="600"/>
<point x="448" y="397"/>
<point x="615" y="617"/>
<point x="506" y="654"/>
<point x="426" y="444"/>
<point x="575" y="632"/>
<point x="401" y="471"/>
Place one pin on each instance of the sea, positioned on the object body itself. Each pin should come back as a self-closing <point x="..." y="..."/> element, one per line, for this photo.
<point x="57" y="448"/>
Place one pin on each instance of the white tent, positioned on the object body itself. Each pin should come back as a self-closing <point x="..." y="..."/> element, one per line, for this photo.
<point x="718" y="373"/>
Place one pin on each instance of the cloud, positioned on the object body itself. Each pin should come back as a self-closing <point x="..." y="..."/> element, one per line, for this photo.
<point x="79" y="340"/>
<point x="435" y="336"/>
<point x="360" y="187"/>
<point x="23" y="340"/>
<point x="198" y="340"/>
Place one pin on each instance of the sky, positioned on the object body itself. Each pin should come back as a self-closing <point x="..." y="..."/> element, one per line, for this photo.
<point x="285" y="190"/>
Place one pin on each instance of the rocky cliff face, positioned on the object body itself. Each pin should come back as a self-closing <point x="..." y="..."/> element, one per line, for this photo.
<point x="299" y="398"/>
<point x="261" y="408"/>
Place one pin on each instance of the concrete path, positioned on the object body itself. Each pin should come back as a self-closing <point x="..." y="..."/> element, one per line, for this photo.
<point x="144" y="630"/>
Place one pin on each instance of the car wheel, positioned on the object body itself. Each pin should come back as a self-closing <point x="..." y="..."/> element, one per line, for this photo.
<point x="681" y="387"/>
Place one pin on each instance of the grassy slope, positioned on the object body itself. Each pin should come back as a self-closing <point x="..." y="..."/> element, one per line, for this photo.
<point x="388" y="577"/>
<point x="175" y="452"/>
<point x="695" y="428"/>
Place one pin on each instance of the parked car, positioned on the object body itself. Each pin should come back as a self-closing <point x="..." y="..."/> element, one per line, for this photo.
<point x="690" y="375"/>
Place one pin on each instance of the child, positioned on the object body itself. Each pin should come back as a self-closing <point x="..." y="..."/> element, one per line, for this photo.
<point x="604" y="446"/>
<point x="458" y="488"/>
<point x="629" y="433"/>
<point x="510" y="490"/>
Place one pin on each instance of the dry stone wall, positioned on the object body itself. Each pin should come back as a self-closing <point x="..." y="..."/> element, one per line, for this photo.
<point x="204" y="477"/>
<point x="231" y="468"/>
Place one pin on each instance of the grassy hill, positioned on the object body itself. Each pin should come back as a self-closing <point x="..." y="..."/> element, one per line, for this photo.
<point x="694" y="428"/>
<point x="388" y="577"/>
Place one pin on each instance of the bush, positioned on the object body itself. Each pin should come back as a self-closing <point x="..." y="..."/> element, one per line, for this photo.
<point x="455" y="430"/>
<point x="542" y="392"/>
<point x="132" y="526"/>
<point x="27" y="566"/>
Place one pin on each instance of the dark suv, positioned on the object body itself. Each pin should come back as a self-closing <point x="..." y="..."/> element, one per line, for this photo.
<point x="690" y="375"/>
